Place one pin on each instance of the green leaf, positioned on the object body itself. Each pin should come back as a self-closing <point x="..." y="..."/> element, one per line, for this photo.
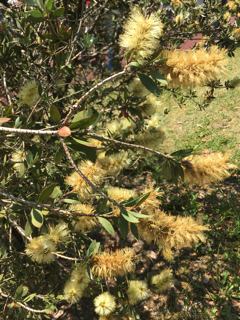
<point x="182" y="153"/>
<point x="29" y="158"/>
<point x="28" y="228"/>
<point x="155" y="56"/>
<point x="25" y="291"/>
<point x="49" y="5"/>
<point x="22" y="170"/>
<point x="128" y="216"/>
<point x="144" y="198"/>
<point x="56" y="193"/>
<point x="71" y="201"/>
<point x="84" y="123"/>
<point x="102" y="205"/>
<point x="139" y="215"/>
<point x="180" y="170"/>
<point x="58" y="13"/>
<point x="128" y="54"/>
<point x="55" y="114"/>
<point x="98" y="118"/>
<point x="107" y="225"/>
<point x="149" y="84"/>
<point x="94" y="246"/>
<point x="59" y="155"/>
<point x="46" y="192"/>
<point x="160" y="78"/>
<point x="134" y="231"/>
<point x="166" y="169"/>
<point x="29" y="298"/>
<point x="35" y="13"/>
<point x="30" y="2"/>
<point x="134" y="64"/>
<point x="123" y="226"/>
<point x="78" y="145"/>
<point x="37" y="218"/>
<point x="18" y="293"/>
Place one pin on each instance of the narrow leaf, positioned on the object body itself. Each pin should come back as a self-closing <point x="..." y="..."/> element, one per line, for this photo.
<point x="28" y="228"/>
<point x="18" y="293"/>
<point x="149" y="84"/>
<point x="84" y="123"/>
<point x="46" y="192"/>
<point x="58" y="13"/>
<point x="55" y="114"/>
<point x="107" y="225"/>
<point x="35" y="13"/>
<point x="37" y="218"/>
<point x="59" y="155"/>
<point x="123" y="226"/>
<point x="29" y="298"/>
<point x="134" y="231"/>
<point x="127" y="215"/>
<point x="160" y="78"/>
<point x="182" y="153"/>
<point x="139" y="215"/>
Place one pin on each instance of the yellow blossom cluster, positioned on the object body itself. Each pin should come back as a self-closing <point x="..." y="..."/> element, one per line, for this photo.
<point x="141" y="34"/>
<point x="193" y="68"/>
<point x="137" y="291"/>
<point x="112" y="264"/>
<point x="41" y="249"/>
<point x="105" y="304"/>
<point x="207" y="168"/>
<point x="78" y="282"/>
<point x="84" y="223"/>
<point x="29" y="93"/>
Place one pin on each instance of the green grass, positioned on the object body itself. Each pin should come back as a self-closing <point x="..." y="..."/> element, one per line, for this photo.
<point x="216" y="128"/>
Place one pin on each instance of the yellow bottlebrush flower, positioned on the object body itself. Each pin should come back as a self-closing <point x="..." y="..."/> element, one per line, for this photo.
<point x="80" y="277"/>
<point x="150" y="139"/>
<point x="116" y="126"/>
<point x="163" y="280"/>
<point x="84" y="223"/>
<point x="150" y="105"/>
<point x="137" y="291"/>
<point x="232" y="5"/>
<point x="141" y="34"/>
<point x="176" y="3"/>
<point x="72" y="292"/>
<point x="29" y="93"/>
<point x="59" y="233"/>
<point x="151" y="202"/>
<point x="237" y="34"/>
<point x="192" y="68"/>
<point x="92" y="172"/>
<point x="113" y="264"/>
<point x="179" y="18"/>
<point x="170" y="231"/>
<point x="115" y="162"/>
<point x="18" y="156"/>
<point x="227" y="16"/>
<point x="105" y="304"/>
<point x="207" y="168"/>
<point x="119" y="195"/>
<point x="153" y="122"/>
<point x="168" y="254"/>
<point x="40" y="249"/>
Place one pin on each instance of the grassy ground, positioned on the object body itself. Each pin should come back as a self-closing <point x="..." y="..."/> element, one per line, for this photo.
<point x="207" y="278"/>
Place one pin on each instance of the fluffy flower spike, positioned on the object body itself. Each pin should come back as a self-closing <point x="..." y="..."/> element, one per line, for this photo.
<point x="105" y="304"/>
<point x="193" y="68"/>
<point x="29" y="93"/>
<point x="59" y="233"/>
<point x="163" y="280"/>
<point x="40" y="249"/>
<point x="113" y="264"/>
<point x="84" y="223"/>
<point x="137" y="291"/>
<point x="205" y="169"/>
<point x="141" y="34"/>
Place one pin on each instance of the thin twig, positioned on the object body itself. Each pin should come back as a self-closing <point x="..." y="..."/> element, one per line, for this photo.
<point x="6" y="90"/>
<point x="86" y="95"/>
<point x="131" y="145"/>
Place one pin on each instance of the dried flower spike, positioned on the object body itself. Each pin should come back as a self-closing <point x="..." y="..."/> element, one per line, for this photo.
<point x="113" y="264"/>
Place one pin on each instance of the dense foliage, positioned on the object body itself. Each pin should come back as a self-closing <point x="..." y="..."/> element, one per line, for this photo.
<point x="80" y="90"/>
